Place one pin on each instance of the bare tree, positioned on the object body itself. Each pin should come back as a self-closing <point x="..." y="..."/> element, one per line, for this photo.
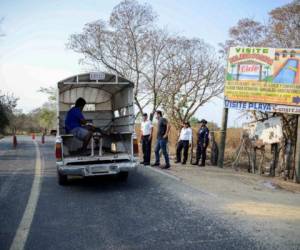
<point x="247" y="32"/>
<point x="284" y="25"/>
<point x="51" y="92"/>
<point x="131" y="45"/>
<point x="122" y="45"/>
<point x="194" y="75"/>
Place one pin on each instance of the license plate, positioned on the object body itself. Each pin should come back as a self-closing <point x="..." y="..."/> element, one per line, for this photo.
<point x="99" y="169"/>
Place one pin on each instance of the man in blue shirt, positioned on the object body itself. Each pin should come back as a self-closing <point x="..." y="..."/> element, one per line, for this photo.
<point x="74" y="123"/>
<point x="202" y="143"/>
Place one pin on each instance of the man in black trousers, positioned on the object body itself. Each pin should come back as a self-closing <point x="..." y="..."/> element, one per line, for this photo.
<point x="202" y="143"/>
<point x="146" y="138"/>
<point x="185" y="140"/>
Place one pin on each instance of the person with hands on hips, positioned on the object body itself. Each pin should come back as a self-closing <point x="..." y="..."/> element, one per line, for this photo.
<point x="202" y="143"/>
<point x="185" y="140"/>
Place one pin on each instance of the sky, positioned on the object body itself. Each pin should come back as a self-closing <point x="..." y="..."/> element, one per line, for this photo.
<point x="33" y="52"/>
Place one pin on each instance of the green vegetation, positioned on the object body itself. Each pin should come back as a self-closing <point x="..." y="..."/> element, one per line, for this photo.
<point x="229" y="77"/>
<point x="268" y="79"/>
<point x="38" y="120"/>
<point x="7" y="106"/>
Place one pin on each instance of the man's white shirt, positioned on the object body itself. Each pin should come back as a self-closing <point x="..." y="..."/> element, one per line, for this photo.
<point x="186" y="134"/>
<point x="146" y="127"/>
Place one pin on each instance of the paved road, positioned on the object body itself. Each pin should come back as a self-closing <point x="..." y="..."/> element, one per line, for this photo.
<point x="150" y="211"/>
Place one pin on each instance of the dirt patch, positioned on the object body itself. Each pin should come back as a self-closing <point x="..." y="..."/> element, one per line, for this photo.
<point x="263" y="210"/>
<point x="287" y="185"/>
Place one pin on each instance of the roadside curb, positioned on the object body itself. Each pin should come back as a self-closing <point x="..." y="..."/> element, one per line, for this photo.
<point x="157" y="170"/>
<point x="176" y="178"/>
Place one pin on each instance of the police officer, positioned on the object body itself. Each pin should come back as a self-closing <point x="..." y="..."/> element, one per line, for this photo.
<point x="202" y="143"/>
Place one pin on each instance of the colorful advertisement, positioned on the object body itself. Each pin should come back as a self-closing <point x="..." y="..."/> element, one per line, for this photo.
<point x="263" y="75"/>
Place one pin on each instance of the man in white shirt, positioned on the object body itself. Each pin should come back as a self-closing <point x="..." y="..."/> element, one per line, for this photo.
<point x="146" y="137"/>
<point x="185" y="140"/>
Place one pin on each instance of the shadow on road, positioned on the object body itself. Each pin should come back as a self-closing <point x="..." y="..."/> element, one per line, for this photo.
<point x="136" y="181"/>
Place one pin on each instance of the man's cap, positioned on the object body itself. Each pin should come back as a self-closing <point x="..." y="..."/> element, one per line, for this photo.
<point x="203" y="121"/>
<point x="145" y="114"/>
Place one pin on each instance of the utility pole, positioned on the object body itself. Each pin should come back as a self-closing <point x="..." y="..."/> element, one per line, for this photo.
<point x="223" y="138"/>
<point x="297" y="158"/>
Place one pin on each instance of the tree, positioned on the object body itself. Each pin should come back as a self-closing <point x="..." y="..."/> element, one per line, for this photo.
<point x="46" y="115"/>
<point x="194" y="75"/>
<point x="132" y="46"/>
<point x="247" y="32"/>
<point x="284" y="26"/>
<point x="51" y="92"/>
<point x="7" y="104"/>
<point x="121" y="45"/>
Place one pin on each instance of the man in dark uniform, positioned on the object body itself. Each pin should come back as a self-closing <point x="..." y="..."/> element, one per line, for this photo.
<point x="202" y="143"/>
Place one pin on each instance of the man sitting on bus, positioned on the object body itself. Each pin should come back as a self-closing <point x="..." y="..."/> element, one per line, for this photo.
<point x="75" y="122"/>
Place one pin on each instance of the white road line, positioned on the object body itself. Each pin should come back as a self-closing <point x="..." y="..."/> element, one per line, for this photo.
<point x="24" y="226"/>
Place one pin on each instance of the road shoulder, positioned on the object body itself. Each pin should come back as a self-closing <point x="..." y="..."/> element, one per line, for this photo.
<point x="260" y="206"/>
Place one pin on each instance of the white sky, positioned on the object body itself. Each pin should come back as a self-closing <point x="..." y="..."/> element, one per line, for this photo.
<point x="33" y="52"/>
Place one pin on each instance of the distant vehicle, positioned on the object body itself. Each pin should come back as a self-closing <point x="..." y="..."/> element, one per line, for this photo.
<point x="109" y="108"/>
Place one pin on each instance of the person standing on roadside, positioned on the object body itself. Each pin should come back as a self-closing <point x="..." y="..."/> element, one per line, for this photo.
<point x="163" y="129"/>
<point x="146" y="138"/>
<point x="185" y="140"/>
<point x="202" y="143"/>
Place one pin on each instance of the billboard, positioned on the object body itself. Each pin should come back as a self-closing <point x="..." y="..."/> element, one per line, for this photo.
<point x="264" y="75"/>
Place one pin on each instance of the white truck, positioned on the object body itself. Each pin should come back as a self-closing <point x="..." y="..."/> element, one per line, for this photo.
<point x="110" y="108"/>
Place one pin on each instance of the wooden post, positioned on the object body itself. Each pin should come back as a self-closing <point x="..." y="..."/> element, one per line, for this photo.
<point x="275" y="156"/>
<point x="214" y="150"/>
<point x="288" y="159"/>
<point x="253" y="158"/>
<point x="223" y="138"/>
<point x="297" y="157"/>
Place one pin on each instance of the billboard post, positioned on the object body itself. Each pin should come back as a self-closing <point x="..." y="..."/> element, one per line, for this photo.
<point x="297" y="157"/>
<point x="223" y="137"/>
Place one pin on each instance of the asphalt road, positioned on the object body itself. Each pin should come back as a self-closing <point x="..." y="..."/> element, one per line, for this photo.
<point x="150" y="211"/>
